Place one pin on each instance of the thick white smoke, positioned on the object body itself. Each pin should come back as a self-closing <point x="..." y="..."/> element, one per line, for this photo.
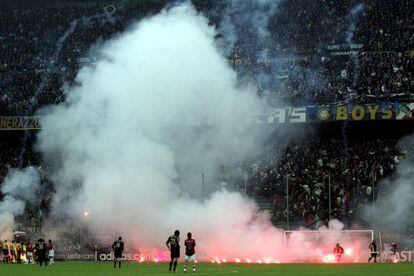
<point x="19" y="188"/>
<point x="159" y="108"/>
<point x="394" y="205"/>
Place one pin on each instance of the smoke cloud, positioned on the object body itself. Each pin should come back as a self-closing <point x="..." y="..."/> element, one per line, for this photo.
<point x="160" y="108"/>
<point x="354" y="18"/>
<point x="19" y="187"/>
<point x="394" y="205"/>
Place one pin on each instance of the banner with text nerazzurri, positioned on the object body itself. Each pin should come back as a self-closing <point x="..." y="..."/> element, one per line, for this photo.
<point x="381" y="111"/>
<point x="20" y="122"/>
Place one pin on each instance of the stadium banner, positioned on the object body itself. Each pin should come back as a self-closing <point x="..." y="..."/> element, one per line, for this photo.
<point x="107" y="255"/>
<point x="405" y="256"/>
<point x="344" y="49"/>
<point x="353" y="112"/>
<point x="87" y="60"/>
<point x="143" y="256"/>
<point x="405" y="111"/>
<point x="335" y="112"/>
<point x="159" y="256"/>
<point x="279" y="116"/>
<point x="20" y="122"/>
<point x="239" y="61"/>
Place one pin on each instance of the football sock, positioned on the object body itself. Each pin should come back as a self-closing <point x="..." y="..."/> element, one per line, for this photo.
<point x="175" y="265"/>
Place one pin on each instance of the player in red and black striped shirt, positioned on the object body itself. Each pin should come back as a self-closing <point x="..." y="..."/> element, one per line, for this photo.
<point x="190" y="245"/>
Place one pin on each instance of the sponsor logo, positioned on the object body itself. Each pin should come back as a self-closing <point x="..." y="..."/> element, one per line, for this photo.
<point x="125" y="257"/>
<point x="154" y="256"/>
<point x="324" y="114"/>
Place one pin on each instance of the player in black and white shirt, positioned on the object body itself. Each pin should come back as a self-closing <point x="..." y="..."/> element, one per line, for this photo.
<point x="118" y="247"/>
<point x="173" y="244"/>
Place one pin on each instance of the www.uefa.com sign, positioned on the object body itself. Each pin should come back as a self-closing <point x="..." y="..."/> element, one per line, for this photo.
<point x="76" y="256"/>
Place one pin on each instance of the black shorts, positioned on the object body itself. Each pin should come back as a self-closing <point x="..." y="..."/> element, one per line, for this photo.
<point x="175" y="253"/>
<point x="117" y="255"/>
<point x="5" y="252"/>
<point x="373" y="255"/>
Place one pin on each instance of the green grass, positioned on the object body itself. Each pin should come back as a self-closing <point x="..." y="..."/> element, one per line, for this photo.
<point x="105" y="268"/>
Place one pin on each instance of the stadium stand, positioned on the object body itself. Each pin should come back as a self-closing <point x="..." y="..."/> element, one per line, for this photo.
<point x="313" y="64"/>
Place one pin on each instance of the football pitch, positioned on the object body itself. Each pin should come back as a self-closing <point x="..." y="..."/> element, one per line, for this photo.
<point x="105" y="268"/>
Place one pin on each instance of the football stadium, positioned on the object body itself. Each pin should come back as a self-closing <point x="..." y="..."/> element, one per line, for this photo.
<point x="215" y="137"/>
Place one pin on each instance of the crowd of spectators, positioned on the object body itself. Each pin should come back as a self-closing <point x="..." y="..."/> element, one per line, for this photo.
<point x="309" y="172"/>
<point x="14" y="156"/>
<point x="331" y="51"/>
<point x="42" y="49"/>
<point x="376" y="76"/>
